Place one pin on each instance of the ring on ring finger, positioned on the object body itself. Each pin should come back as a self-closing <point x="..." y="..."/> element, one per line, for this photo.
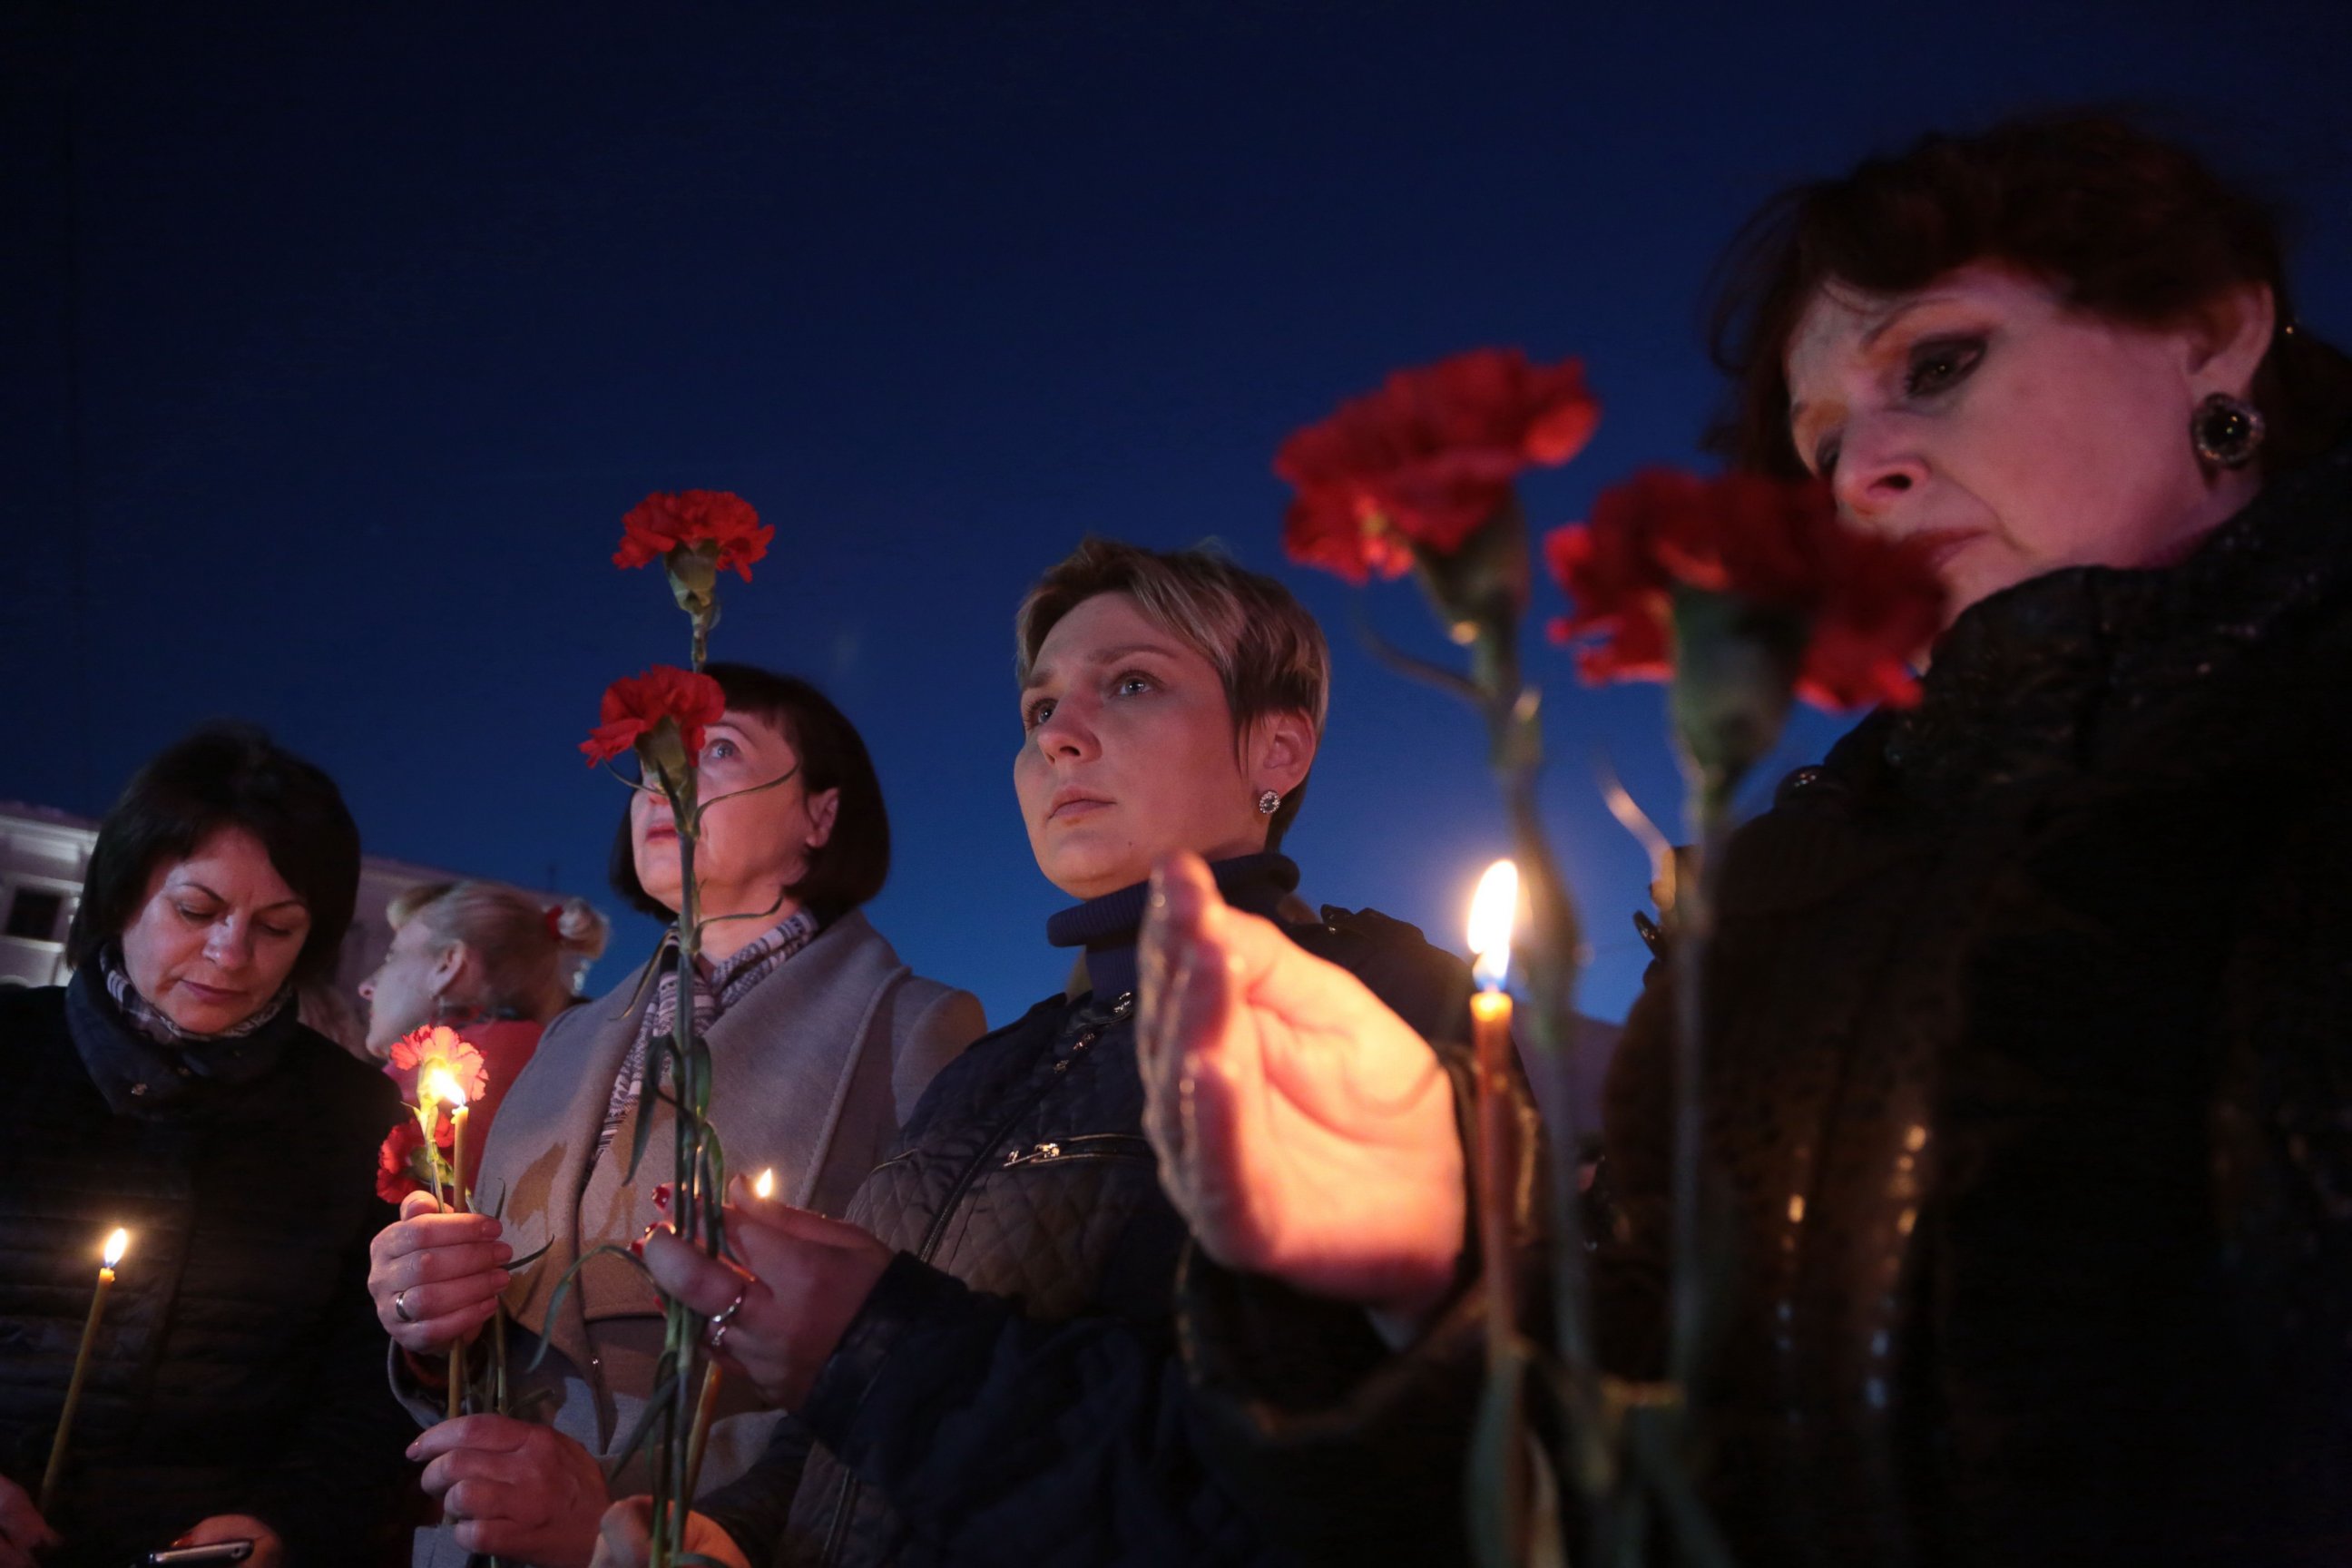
<point x="724" y="1319"/>
<point x="399" y="1306"/>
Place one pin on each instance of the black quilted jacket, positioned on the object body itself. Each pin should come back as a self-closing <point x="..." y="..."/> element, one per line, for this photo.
<point x="2029" y="1089"/>
<point x="2028" y="1114"/>
<point x="1012" y="1390"/>
<point x="238" y="1367"/>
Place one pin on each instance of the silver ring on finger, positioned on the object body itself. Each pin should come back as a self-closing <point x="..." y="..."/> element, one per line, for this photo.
<point x="399" y="1306"/>
<point x="724" y="1319"/>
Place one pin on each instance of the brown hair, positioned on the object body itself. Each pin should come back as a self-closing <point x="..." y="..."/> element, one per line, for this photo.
<point x="528" y="950"/>
<point x="225" y="776"/>
<point x="1267" y="651"/>
<point x="2127" y="225"/>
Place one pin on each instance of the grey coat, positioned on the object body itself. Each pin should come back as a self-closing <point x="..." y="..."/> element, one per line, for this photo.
<point x="814" y="1072"/>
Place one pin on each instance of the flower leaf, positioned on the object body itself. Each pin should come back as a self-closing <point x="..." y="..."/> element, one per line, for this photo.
<point x="555" y="1298"/>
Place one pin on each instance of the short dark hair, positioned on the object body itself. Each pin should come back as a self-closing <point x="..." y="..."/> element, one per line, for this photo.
<point x="1266" y="648"/>
<point x="225" y="776"/>
<point x="850" y="867"/>
<point x="2125" y="225"/>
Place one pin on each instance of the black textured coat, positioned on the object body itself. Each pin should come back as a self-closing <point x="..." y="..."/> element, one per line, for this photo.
<point x="2029" y="1088"/>
<point x="238" y="1367"/>
<point x="1013" y="1392"/>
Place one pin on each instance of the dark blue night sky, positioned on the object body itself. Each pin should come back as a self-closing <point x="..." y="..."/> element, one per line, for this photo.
<point x="335" y="340"/>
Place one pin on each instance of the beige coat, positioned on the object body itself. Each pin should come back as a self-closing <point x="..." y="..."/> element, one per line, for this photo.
<point x="813" y="1072"/>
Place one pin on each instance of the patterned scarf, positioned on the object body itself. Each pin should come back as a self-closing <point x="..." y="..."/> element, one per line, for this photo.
<point x="727" y="984"/>
<point x="150" y="1020"/>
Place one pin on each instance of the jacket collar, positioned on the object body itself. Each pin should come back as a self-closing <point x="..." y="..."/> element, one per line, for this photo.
<point x="2043" y="679"/>
<point x="1105" y="927"/>
<point x="140" y="1078"/>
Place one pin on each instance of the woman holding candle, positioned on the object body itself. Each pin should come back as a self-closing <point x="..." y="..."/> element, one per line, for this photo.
<point x="493" y="963"/>
<point x="980" y="1362"/>
<point x="230" y="1388"/>
<point x="2025" y="1096"/>
<point x="822" y="1041"/>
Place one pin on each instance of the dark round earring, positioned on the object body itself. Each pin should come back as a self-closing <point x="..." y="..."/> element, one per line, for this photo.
<point x="2226" y="431"/>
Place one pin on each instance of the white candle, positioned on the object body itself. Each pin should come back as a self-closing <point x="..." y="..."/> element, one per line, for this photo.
<point x="116" y="1246"/>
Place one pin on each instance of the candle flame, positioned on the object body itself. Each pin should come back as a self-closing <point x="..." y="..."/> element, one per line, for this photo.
<point x="443" y="1085"/>
<point x="765" y="1187"/>
<point x="1492" y="911"/>
<point x="116" y="1246"/>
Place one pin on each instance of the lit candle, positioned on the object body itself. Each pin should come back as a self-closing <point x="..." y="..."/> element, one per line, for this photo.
<point x="116" y="1245"/>
<point x="441" y="1084"/>
<point x="1491" y="912"/>
<point x="765" y="1187"/>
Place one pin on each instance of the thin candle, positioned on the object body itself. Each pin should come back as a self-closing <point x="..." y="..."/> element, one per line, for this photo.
<point x="116" y="1246"/>
<point x="1492" y="910"/>
<point x="441" y="1084"/>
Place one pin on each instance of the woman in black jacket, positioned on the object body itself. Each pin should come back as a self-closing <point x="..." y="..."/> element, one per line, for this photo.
<point x="2027" y="1098"/>
<point x="236" y="1387"/>
<point x="982" y="1365"/>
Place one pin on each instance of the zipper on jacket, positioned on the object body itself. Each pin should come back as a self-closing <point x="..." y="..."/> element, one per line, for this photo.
<point x="1120" y="1009"/>
<point x="1083" y="1146"/>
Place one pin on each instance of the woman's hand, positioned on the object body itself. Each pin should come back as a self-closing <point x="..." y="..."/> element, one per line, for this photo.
<point x="268" y="1551"/>
<point x="23" y="1531"/>
<point x="808" y="1278"/>
<point x="435" y="1277"/>
<point x="514" y="1489"/>
<point x="628" y="1538"/>
<point x="1304" y="1130"/>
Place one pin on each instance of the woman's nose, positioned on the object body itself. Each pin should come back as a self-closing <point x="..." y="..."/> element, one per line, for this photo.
<point x="1066" y="731"/>
<point x="1879" y="470"/>
<point x="230" y="944"/>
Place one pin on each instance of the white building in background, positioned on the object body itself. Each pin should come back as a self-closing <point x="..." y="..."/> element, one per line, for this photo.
<point x="45" y="854"/>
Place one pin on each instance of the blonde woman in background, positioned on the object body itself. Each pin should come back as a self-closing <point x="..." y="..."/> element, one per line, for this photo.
<point x="493" y="962"/>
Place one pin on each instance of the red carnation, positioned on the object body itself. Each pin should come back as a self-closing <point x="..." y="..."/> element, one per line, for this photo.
<point x="400" y="1162"/>
<point x="1428" y="460"/>
<point x="415" y="1054"/>
<point x="1869" y="605"/>
<point x="721" y="519"/>
<point x="636" y="705"/>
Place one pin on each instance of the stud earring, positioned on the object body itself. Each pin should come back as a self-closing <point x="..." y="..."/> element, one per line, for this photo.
<point x="1268" y="803"/>
<point x="2226" y="431"/>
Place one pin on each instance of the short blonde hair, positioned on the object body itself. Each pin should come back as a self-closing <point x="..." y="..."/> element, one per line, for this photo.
<point x="1267" y="651"/>
<point x="529" y="951"/>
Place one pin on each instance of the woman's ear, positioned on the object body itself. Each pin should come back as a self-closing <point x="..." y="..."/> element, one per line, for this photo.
<point x="823" y="807"/>
<point x="447" y="967"/>
<point x="2228" y="336"/>
<point x="1281" y="751"/>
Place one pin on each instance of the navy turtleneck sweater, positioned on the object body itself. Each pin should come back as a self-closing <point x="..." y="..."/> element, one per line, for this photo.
<point x="1106" y="927"/>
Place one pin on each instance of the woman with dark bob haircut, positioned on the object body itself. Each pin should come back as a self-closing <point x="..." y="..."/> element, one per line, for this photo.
<point x="169" y="1088"/>
<point x="2028" y="1090"/>
<point x="822" y="1041"/>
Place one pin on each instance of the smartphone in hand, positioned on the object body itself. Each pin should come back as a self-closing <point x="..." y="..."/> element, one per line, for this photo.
<point x="198" y="1556"/>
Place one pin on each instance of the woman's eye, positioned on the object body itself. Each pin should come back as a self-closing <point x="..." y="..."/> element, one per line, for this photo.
<point x="1127" y="685"/>
<point x="1941" y="365"/>
<point x="718" y="751"/>
<point x="1826" y="456"/>
<point x="192" y="914"/>
<point x="279" y="932"/>
<point x="1036" y="714"/>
